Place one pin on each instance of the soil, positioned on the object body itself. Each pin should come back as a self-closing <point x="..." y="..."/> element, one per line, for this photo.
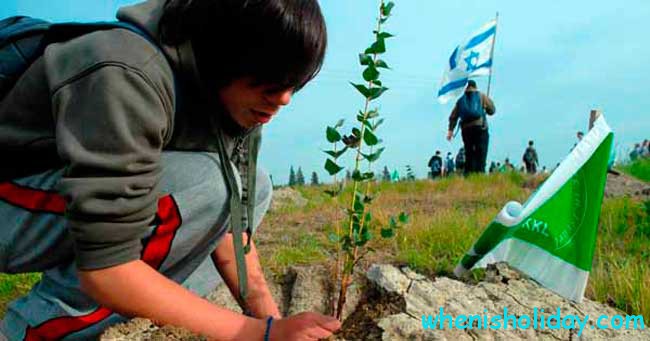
<point x="619" y="185"/>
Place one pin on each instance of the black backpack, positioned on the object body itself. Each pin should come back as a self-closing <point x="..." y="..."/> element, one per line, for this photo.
<point x="23" y="39"/>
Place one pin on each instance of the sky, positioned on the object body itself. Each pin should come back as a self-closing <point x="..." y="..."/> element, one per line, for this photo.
<point x="553" y="63"/>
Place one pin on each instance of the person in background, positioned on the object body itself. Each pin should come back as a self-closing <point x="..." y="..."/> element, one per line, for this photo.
<point x="472" y="109"/>
<point x="530" y="158"/>
<point x="449" y="164"/>
<point x="435" y="165"/>
<point x="460" y="160"/>
<point x="493" y="167"/>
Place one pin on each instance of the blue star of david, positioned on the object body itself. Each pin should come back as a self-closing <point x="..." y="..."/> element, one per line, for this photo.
<point x="471" y="61"/>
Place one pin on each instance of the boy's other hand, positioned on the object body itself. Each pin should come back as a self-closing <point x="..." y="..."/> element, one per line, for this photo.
<point x="307" y="326"/>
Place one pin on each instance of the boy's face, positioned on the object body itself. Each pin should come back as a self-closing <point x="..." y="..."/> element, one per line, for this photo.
<point x="250" y="104"/>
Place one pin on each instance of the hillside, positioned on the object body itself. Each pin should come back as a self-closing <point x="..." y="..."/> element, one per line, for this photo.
<point x="447" y="215"/>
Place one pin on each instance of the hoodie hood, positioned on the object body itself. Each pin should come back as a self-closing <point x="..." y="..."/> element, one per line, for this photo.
<point x="146" y="15"/>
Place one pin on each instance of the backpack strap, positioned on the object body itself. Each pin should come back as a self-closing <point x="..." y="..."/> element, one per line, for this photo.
<point x="236" y="222"/>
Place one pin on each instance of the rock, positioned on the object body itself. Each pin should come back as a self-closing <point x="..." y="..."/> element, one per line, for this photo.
<point x="506" y="289"/>
<point x="286" y="197"/>
<point x="309" y="291"/>
<point x="388" y="278"/>
<point x="392" y="305"/>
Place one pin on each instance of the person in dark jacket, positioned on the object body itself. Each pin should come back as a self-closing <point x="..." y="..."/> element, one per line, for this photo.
<point x="133" y="173"/>
<point x="435" y="165"/>
<point x="530" y="158"/>
<point x="471" y="109"/>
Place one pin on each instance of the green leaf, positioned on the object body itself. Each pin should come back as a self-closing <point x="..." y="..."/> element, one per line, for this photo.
<point x="377" y="124"/>
<point x="381" y="64"/>
<point x="332" y="135"/>
<point x="336" y="154"/>
<point x="339" y="123"/>
<point x="356" y="132"/>
<point x="384" y="35"/>
<point x="367" y="199"/>
<point x="368" y="218"/>
<point x="356" y="175"/>
<point x="358" y="205"/>
<point x="403" y="218"/>
<point x="387" y="233"/>
<point x="385" y="10"/>
<point x="373" y="113"/>
<point x="331" y="167"/>
<point x="377" y="47"/>
<point x="377" y="82"/>
<point x="370" y="73"/>
<point x="368" y="176"/>
<point x="362" y="89"/>
<point x="376" y="92"/>
<point x="374" y="156"/>
<point x="365" y="59"/>
<point x="369" y="138"/>
<point x="365" y="236"/>
<point x="356" y="224"/>
<point x="391" y="223"/>
<point x="383" y="20"/>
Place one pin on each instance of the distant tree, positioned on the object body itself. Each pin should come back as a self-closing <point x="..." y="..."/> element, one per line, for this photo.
<point x="292" y="177"/>
<point x="314" y="179"/>
<point x="385" y="176"/>
<point x="410" y="175"/>
<point x="300" y="178"/>
<point x="348" y="176"/>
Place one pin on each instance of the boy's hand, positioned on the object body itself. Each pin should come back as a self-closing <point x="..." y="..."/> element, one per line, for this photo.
<point x="304" y="327"/>
<point x="450" y="134"/>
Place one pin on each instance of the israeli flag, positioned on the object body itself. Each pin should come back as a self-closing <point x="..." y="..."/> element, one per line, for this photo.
<point x="471" y="59"/>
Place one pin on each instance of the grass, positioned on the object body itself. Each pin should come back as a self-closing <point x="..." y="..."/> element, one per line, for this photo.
<point x="639" y="169"/>
<point x="12" y="286"/>
<point x="447" y="215"/>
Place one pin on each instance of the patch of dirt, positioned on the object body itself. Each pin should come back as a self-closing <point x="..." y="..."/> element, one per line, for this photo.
<point x="362" y="323"/>
<point x="625" y="185"/>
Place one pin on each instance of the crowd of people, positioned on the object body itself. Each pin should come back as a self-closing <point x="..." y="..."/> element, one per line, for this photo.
<point x="640" y="150"/>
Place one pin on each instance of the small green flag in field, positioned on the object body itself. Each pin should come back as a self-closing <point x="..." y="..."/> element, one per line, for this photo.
<point x="552" y="236"/>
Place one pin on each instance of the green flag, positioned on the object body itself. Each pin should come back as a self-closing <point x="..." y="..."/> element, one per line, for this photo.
<point x="552" y="236"/>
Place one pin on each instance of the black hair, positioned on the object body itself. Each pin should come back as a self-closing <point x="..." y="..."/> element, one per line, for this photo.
<point x="530" y="143"/>
<point x="471" y="83"/>
<point x="275" y="42"/>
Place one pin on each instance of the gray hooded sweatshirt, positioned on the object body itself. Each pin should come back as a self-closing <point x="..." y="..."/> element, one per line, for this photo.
<point x="103" y="107"/>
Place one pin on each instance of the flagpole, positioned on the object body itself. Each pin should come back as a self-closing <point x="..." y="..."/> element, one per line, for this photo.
<point x="496" y="28"/>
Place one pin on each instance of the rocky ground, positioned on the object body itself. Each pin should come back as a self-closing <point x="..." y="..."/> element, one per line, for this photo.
<point x="388" y="304"/>
<point x="625" y="185"/>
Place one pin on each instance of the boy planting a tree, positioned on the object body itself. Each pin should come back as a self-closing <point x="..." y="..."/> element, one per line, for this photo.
<point x="132" y="161"/>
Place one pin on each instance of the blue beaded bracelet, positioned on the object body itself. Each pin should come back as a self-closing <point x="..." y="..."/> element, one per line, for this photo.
<point x="267" y="333"/>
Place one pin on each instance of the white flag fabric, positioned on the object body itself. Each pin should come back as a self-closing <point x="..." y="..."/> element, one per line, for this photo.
<point x="470" y="59"/>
